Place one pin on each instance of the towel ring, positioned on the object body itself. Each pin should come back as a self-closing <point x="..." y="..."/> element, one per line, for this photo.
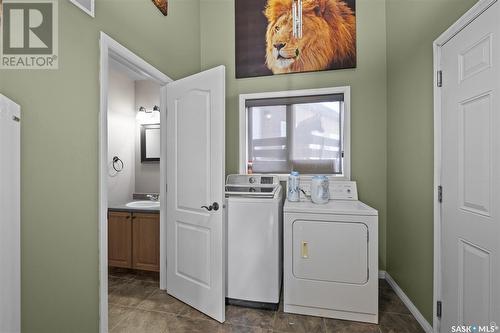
<point x="118" y="164"/>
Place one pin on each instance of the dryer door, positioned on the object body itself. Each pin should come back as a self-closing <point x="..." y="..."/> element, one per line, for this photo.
<point x="330" y="251"/>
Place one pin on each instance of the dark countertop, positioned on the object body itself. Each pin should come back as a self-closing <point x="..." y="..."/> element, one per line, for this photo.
<point x="121" y="207"/>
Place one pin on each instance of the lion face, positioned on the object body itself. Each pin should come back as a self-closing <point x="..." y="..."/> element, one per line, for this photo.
<point x="320" y="44"/>
<point x="283" y="48"/>
<point x="286" y="53"/>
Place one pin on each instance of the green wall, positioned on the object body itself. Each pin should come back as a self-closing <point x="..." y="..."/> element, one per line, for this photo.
<point x="367" y="81"/>
<point x="392" y="142"/>
<point x="412" y="26"/>
<point x="60" y="151"/>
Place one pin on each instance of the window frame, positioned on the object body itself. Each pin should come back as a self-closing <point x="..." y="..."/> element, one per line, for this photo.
<point x="243" y="125"/>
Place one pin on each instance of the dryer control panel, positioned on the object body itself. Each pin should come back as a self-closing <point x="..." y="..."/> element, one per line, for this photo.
<point x="339" y="190"/>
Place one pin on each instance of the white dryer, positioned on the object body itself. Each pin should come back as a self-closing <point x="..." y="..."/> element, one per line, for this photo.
<point x="331" y="259"/>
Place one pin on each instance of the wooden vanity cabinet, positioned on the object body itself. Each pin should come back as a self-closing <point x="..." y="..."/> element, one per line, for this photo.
<point x="146" y="242"/>
<point x="120" y="239"/>
<point x="134" y="240"/>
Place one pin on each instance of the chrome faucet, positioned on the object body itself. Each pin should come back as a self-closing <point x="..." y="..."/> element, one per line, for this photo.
<point x="153" y="197"/>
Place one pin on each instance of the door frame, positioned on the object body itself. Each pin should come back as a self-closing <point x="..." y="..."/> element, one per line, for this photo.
<point x="12" y="278"/>
<point x="479" y="8"/>
<point x="111" y="49"/>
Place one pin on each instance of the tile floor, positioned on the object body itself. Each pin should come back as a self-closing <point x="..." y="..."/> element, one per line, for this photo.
<point x="136" y="304"/>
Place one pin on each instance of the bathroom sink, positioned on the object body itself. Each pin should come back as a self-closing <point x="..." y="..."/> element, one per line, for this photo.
<point x="143" y="204"/>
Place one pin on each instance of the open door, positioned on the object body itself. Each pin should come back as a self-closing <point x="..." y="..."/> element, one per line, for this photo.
<point x="195" y="177"/>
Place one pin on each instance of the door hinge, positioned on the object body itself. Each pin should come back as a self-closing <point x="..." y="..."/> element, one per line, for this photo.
<point x="439" y="309"/>
<point x="166" y="188"/>
<point x="440" y="193"/>
<point x="440" y="78"/>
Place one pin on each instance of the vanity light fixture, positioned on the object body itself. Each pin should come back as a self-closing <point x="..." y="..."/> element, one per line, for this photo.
<point x="297" y="18"/>
<point x="149" y="116"/>
<point x="155" y="108"/>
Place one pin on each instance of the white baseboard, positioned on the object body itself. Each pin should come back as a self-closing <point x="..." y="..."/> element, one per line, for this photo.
<point x="406" y="300"/>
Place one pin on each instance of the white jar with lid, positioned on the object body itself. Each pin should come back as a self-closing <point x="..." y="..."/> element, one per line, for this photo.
<point x="320" y="189"/>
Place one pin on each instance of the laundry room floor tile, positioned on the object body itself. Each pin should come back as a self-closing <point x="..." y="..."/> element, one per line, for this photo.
<point x="390" y="302"/>
<point x="160" y="301"/>
<point x="132" y="293"/>
<point x="115" y="283"/>
<point x="190" y="312"/>
<point x="228" y="328"/>
<point x="147" y="276"/>
<point x="237" y="315"/>
<point x="143" y="321"/>
<point x="399" y="323"/>
<point x="189" y="325"/>
<point x="383" y="284"/>
<point x="294" y="323"/>
<point x="123" y="273"/>
<point x="136" y="304"/>
<point x="116" y="314"/>
<point x="345" y="326"/>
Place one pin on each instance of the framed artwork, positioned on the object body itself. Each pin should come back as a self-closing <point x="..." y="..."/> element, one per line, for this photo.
<point x="88" y="6"/>
<point x="162" y="6"/>
<point x="293" y="36"/>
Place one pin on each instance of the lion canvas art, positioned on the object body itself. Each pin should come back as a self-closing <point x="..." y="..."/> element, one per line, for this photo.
<point x="266" y="44"/>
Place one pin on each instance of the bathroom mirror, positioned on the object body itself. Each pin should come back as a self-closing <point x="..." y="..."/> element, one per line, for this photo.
<point x="150" y="143"/>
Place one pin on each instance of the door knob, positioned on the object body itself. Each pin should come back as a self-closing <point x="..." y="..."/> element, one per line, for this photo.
<point x="214" y="206"/>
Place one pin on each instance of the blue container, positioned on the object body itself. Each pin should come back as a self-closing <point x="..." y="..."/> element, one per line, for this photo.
<point x="293" y="187"/>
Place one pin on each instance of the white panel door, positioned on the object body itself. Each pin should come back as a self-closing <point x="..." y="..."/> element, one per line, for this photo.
<point x="195" y="178"/>
<point x="470" y="174"/>
<point x="10" y="219"/>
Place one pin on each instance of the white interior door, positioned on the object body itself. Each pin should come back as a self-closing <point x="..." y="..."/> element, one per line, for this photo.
<point x="10" y="219"/>
<point x="195" y="178"/>
<point x="470" y="174"/>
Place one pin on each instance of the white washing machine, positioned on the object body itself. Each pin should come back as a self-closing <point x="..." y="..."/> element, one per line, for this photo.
<point x="254" y="206"/>
<point x="331" y="257"/>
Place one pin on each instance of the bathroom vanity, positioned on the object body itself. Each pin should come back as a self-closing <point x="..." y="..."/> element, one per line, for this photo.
<point x="134" y="239"/>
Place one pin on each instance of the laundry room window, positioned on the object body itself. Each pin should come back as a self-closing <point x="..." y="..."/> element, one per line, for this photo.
<point x="305" y="131"/>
